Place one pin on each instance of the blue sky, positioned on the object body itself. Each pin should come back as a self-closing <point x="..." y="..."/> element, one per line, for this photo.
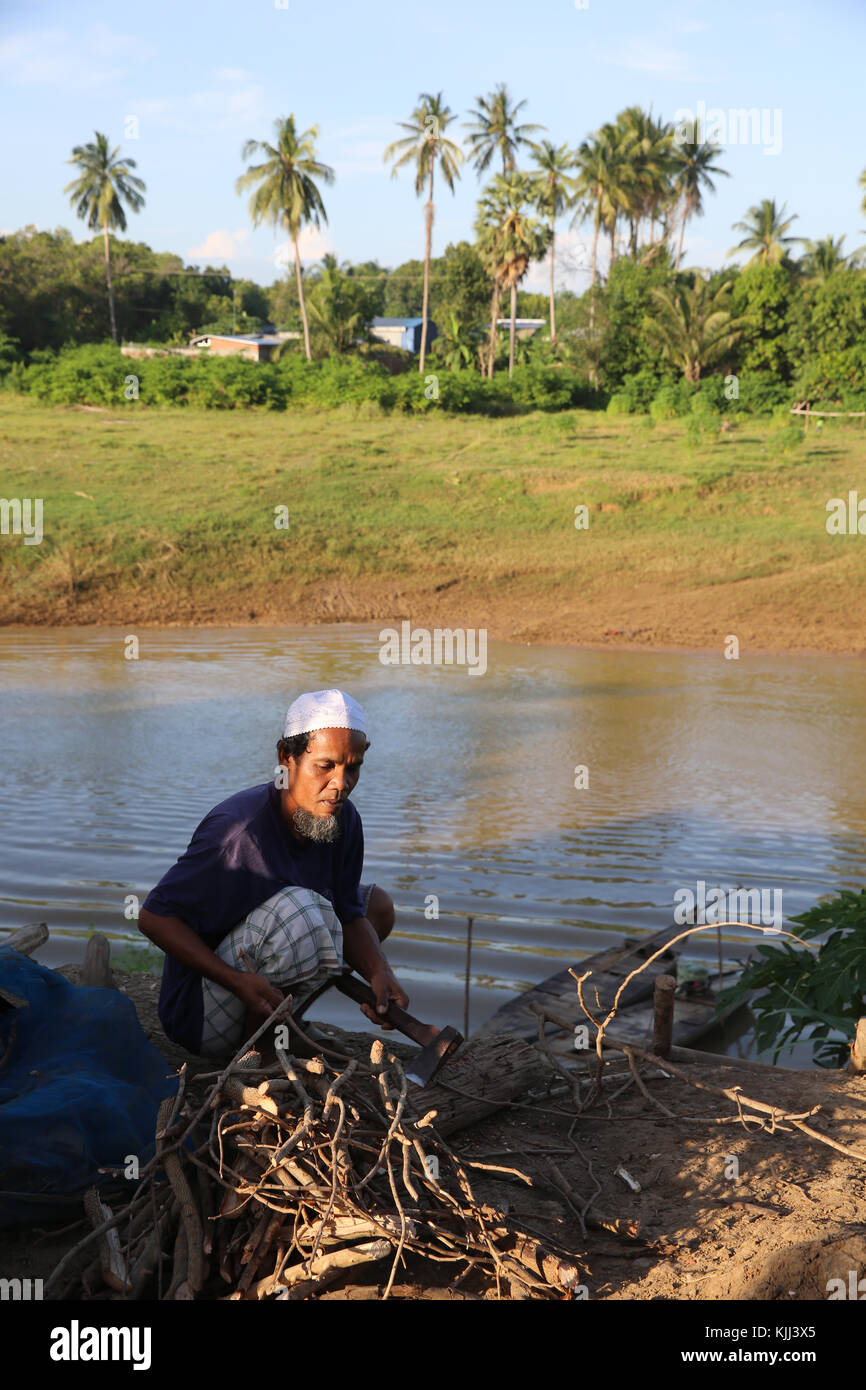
<point x="199" y="78"/>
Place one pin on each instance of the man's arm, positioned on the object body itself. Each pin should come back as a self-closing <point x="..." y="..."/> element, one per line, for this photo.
<point x="362" y="950"/>
<point x="177" y="939"/>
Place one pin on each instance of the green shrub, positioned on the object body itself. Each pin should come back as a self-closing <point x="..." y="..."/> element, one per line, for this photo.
<point x="800" y="988"/>
<point x="620" y="403"/>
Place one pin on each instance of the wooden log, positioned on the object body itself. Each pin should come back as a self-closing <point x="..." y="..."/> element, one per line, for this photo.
<point x="303" y="1280"/>
<point x="26" y="940"/>
<point x="96" y="970"/>
<point x="487" y="1073"/>
<point x="857" y="1060"/>
<point x="114" y="1271"/>
<point x="663" y="1015"/>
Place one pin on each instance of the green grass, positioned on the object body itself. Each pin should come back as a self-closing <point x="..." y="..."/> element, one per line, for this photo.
<point x="181" y="506"/>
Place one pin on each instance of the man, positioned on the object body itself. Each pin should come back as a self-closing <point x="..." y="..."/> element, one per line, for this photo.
<point x="271" y="879"/>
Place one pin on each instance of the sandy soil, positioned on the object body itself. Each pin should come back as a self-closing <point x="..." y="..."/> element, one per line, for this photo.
<point x="775" y="614"/>
<point x="723" y="1211"/>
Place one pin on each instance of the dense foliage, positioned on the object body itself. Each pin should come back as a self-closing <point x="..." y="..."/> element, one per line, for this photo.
<point x="800" y="989"/>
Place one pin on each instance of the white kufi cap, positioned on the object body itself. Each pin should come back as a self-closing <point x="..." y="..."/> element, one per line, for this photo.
<point x="323" y="709"/>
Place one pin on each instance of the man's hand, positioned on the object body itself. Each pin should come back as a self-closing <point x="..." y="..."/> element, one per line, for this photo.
<point x="256" y="992"/>
<point x="384" y="985"/>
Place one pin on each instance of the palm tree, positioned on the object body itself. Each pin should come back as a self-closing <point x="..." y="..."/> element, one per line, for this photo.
<point x="765" y="228"/>
<point x="495" y="131"/>
<point x="556" y="190"/>
<point x="103" y="182"/>
<point x="693" y="165"/>
<point x="287" y="194"/>
<point x="596" y="184"/>
<point x="825" y="258"/>
<point x="337" y="305"/>
<point x="694" y="327"/>
<point x="424" y="144"/>
<point x="509" y="240"/>
<point x="644" y="148"/>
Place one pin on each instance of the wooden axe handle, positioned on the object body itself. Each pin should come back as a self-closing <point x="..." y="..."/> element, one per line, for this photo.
<point x="362" y="994"/>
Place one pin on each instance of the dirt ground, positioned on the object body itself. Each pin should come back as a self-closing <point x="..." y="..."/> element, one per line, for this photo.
<point x="775" y="614"/>
<point x="724" y="1211"/>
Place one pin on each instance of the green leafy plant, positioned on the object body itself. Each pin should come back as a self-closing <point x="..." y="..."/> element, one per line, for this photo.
<point x="824" y="991"/>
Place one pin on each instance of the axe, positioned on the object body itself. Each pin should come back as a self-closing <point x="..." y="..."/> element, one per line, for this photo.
<point x="437" y="1045"/>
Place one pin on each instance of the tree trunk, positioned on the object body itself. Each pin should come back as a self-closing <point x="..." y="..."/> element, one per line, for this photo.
<point x="511" y="330"/>
<point x="595" y="240"/>
<point x="110" y="289"/>
<point x="613" y="241"/>
<point x="594" y="261"/>
<point x="680" y="246"/>
<point x="494" y="315"/>
<point x="552" y="302"/>
<point x="428" y="216"/>
<point x="301" y="301"/>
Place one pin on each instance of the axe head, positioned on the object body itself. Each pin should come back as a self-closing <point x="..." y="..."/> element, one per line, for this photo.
<point x="433" y="1057"/>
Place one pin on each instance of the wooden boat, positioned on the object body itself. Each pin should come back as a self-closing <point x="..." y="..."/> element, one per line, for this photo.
<point x="694" y="1010"/>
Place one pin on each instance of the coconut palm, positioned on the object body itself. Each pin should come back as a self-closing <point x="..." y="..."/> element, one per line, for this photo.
<point x="495" y="130"/>
<point x="693" y="165"/>
<point x="556" y="191"/>
<point x="287" y="194"/>
<point x="644" y="148"/>
<point x="765" y="227"/>
<point x="99" y="193"/>
<point x="825" y="258"/>
<point x="425" y="143"/>
<point x="693" y="325"/>
<point x="509" y="239"/>
<point x="597" y="186"/>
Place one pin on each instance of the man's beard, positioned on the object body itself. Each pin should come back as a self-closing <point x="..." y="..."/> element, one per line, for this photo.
<point x="323" y="830"/>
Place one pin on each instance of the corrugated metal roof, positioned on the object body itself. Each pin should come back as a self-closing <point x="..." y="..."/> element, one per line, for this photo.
<point x="238" y="338"/>
<point x="397" y="323"/>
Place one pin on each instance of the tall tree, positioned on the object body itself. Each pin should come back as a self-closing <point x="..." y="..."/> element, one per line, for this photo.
<point x="644" y="156"/>
<point x="99" y="192"/>
<point x="494" y="130"/>
<point x="693" y="165"/>
<point x="693" y="325"/>
<point x="825" y="258"/>
<point x="597" y="184"/>
<point x="287" y="194"/>
<point x="510" y="238"/>
<point x="765" y="226"/>
<point x="424" y="145"/>
<point x="556" y="191"/>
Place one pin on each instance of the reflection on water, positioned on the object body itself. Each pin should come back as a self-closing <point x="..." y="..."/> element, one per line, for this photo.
<point x="735" y="772"/>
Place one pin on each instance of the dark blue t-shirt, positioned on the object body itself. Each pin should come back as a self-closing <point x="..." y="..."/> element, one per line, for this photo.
<point x="242" y="853"/>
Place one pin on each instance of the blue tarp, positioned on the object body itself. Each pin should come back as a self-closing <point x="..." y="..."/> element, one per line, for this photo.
<point x="79" y="1091"/>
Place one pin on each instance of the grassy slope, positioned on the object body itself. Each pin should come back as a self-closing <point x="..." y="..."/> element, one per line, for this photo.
<point x="441" y="519"/>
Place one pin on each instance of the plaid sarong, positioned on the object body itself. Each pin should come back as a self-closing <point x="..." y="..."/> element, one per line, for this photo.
<point x="293" y="938"/>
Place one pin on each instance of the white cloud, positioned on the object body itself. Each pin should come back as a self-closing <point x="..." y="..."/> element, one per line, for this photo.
<point x="219" y="247"/>
<point x="573" y="264"/>
<point x="233" y="75"/>
<point x="77" y="60"/>
<point x="312" y="245"/>
<point x="646" y="55"/>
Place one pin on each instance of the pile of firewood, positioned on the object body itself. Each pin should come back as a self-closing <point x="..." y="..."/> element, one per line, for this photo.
<point x="292" y="1178"/>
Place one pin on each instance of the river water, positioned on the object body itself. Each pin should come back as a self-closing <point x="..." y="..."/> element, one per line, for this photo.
<point x="734" y="772"/>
